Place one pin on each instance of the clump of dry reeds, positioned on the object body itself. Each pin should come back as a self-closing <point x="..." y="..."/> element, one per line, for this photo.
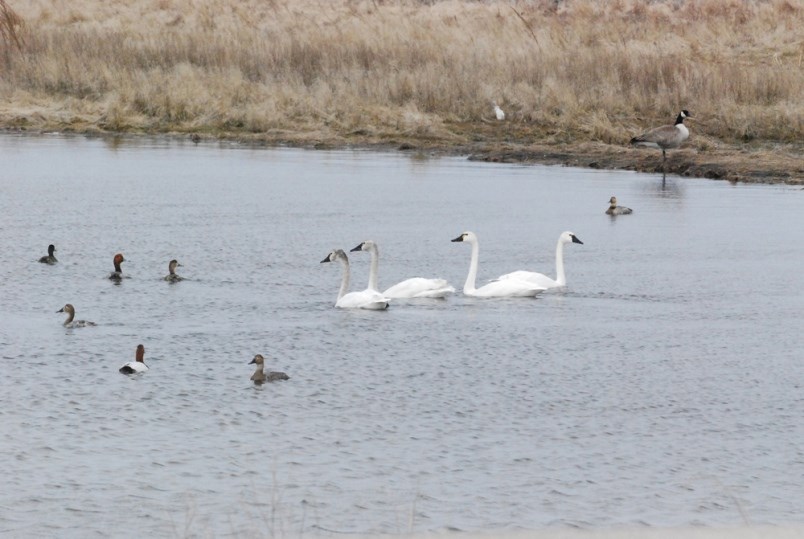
<point x="11" y="28"/>
<point x="333" y="68"/>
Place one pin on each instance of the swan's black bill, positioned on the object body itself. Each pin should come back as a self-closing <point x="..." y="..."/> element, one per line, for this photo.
<point x="358" y="248"/>
<point x="459" y="238"/>
<point x="325" y="260"/>
<point x="576" y="240"/>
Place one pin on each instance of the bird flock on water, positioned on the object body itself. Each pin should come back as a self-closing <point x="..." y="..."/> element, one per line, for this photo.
<point x="520" y="283"/>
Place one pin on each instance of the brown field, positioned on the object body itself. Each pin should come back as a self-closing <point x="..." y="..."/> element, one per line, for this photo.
<point x="577" y="78"/>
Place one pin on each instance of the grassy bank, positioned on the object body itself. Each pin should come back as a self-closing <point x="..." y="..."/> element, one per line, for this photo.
<point x="570" y="75"/>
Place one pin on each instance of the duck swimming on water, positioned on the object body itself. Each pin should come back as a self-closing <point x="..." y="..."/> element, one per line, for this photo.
<point x="259" y="376"/>
<point x="70" y="323"/>
<point x="138" y="365"/>
<point x="117" y="274"/>
<point x="171" y="277"/>
<point x="49" y="258"/>
<point x="614" y="209"/>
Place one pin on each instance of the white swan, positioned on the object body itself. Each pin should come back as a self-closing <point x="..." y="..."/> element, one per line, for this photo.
<point x="366" y="299"/>
<point x="415" y="287"/>
<point x="541" y="279"/>
<point x="496" y="289"/>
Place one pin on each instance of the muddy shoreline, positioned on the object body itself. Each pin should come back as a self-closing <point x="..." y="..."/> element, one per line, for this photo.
<point x="765" y="163"/>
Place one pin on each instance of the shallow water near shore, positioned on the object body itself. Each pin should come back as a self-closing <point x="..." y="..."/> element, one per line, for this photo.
<point x="662" y="388"/>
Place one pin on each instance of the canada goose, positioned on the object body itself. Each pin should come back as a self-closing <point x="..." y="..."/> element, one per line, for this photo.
<point x="665" y="137"/>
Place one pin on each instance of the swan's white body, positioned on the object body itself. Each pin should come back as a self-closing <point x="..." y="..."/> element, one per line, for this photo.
<point x="419" y="287"/>
<point x="415" y="287"/>
<point x="540" y="279"/>
<point x="509" y="288"/>
<point x="365" y="299"/>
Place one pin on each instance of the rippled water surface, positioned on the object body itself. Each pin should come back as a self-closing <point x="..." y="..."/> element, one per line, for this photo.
<point x="663" y="387"/>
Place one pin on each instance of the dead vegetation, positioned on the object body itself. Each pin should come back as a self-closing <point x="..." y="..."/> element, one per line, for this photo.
<point x="11" y="31"/>
<point x="373" y="71"/>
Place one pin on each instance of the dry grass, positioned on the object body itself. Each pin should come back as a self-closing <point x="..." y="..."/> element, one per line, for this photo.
<point x="333" y="69"/>
<point x="11" y="28"/>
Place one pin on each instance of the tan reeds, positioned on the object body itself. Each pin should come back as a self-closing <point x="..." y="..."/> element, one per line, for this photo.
<point x="11" y="29"/>
<point x="583" y="70"/>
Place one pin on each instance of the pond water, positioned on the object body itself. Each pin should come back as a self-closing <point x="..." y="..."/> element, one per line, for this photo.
<point x="663" y="387"/>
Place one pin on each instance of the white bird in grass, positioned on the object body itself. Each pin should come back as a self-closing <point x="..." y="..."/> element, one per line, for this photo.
<point x="366" y="299"/>
<point x="666" y="137"/>
<point x="508" y="288"/>
<point x="498" y="112"/>
<point x="415" y="287"/>
<point x="540" y="279"/>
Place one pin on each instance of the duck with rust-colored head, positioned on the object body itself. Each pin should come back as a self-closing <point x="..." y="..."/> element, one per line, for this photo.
<point x="138" y="365"/>
<point x="117" y="274"/>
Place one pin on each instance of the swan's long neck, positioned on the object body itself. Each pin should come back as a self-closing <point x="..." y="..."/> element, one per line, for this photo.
<point x="469" y="285"/>
<point x="345" y="280"/>
<point x="375" y="262"/>
<point x="561" y="277"/>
